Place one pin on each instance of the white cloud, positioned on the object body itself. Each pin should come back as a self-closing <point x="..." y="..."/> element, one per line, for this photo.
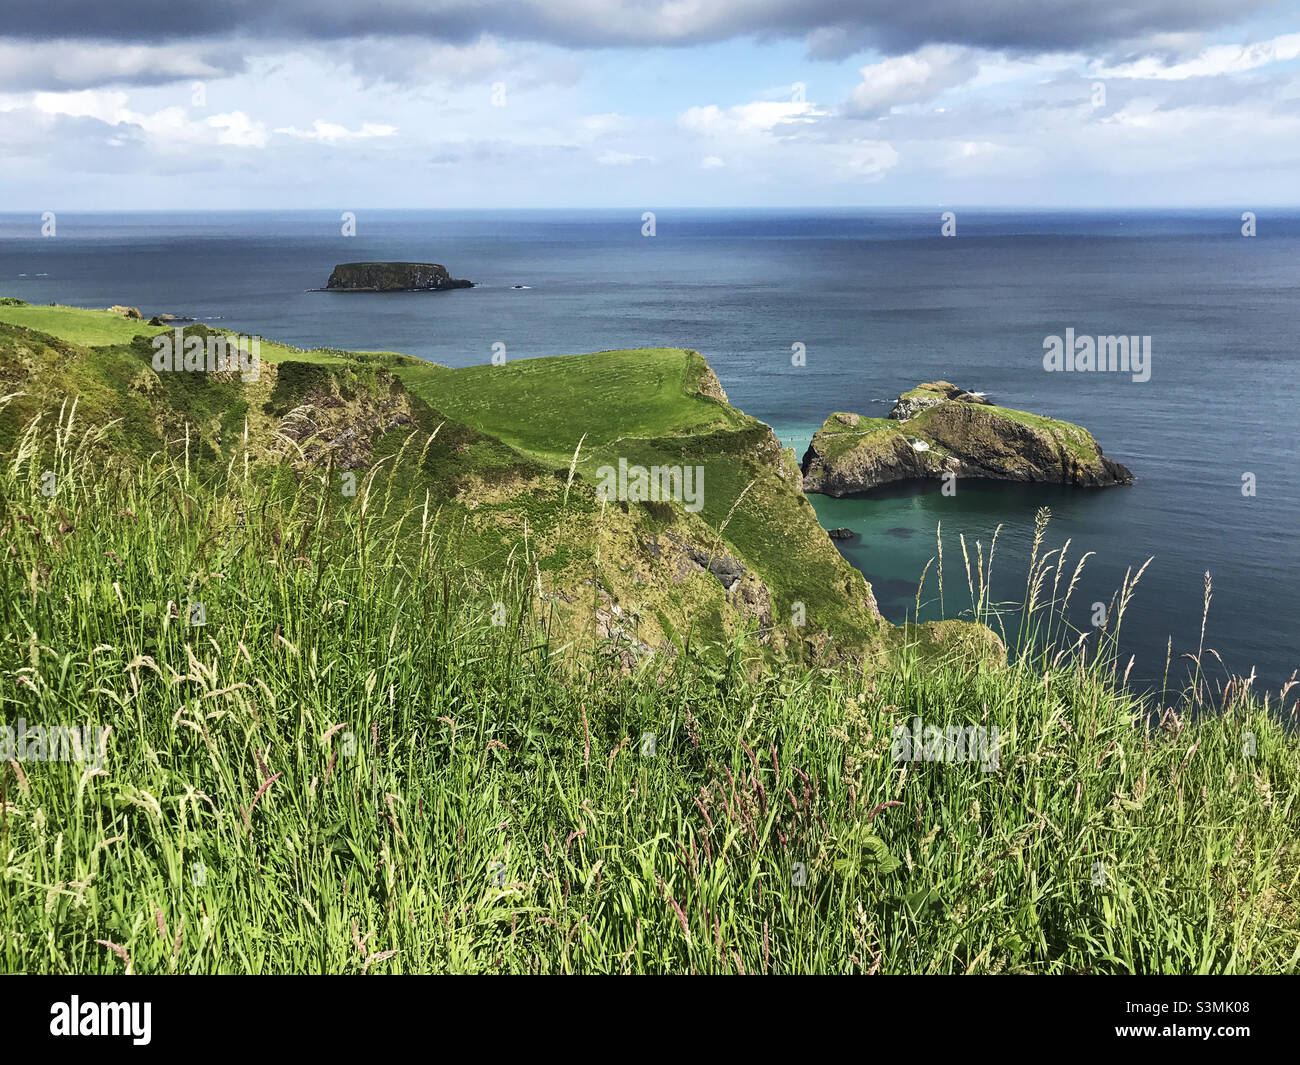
<point x="861" y="160"/>
<point x="238" y="129"/>
<point x="107" y="106"/>
<point x="612" y="158"/>
<point x="760" y="116"/>
<point x="333" y="133"/>
<point x="399" y="60"/>
<point x="593" y="127"/>
<point x="60" y="64"/>
<point x="948" y="122"/>
<point x="910" y="79"/>
<point x="169" y="126"/>
<point x="971" y="158"/>
<point x="1211" y="62"/>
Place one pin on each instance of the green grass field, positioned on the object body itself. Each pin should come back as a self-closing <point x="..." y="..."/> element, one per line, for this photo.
<point x="503" y="430"/>
<point x="331" y="752"/>
<point x="94" y="328"/>
<point x="545" y="406"/>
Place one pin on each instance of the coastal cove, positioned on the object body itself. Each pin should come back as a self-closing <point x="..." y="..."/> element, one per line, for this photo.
<point x="878" y="301"/>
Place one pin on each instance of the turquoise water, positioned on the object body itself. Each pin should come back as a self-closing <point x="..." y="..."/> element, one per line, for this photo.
<point x="899" y="531"/>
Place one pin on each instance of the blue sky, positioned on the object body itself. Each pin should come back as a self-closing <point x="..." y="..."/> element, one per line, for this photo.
<point x="640" y="103"/>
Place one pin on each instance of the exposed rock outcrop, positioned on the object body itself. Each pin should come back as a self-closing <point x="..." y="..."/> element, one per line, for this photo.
<point x="393" y="277"/>
<point x="951" y="431"/>
<point x="710" y="385"/>
<point x="925" y="396"/>
<point x="333" y="418"/>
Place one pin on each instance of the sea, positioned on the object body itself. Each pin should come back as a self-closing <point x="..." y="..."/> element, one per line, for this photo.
<point x="803" y="312"/>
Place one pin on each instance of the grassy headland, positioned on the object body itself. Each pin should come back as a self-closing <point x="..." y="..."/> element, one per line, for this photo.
<point x="386" y="742"/>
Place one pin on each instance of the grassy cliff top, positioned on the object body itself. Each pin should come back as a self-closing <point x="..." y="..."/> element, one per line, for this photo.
<point x="860" y="424"/>
<point x="95" y="328"/>
<point x="506" y="437"/>
<point x="840" y="432"/>
<point x="1074" y="438"/>
<point x="612" y="398"/>
<point x="929" y="388"/>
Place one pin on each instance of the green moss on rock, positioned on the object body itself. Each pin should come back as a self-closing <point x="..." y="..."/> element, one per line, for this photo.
<point x="937" y="429"/>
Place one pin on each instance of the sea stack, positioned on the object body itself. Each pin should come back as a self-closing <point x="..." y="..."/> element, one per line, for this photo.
<point x="393" y="277"/>
<point x="938" y="430"/>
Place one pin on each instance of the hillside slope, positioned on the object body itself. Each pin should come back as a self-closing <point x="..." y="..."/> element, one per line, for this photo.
<point x="511" y="459"/>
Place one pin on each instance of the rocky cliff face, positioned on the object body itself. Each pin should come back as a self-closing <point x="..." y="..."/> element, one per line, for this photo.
<point x="393" y="277"/>
<point x="939" y="429"/>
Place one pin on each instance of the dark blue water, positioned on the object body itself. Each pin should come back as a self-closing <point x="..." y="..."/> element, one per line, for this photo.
<point x="880" y="301"/>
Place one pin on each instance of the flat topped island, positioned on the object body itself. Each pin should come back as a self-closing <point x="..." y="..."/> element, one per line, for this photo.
<point x="393" y="277"/>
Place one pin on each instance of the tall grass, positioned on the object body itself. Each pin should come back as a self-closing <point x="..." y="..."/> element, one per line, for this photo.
<point x="349" y="768"/>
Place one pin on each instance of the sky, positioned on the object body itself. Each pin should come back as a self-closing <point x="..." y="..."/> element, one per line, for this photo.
<point x="350" y="104"/>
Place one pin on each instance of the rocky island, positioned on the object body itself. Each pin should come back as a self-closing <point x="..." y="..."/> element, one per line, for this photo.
<point x="393" y="277"/>
<point x="938" y="428"/>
